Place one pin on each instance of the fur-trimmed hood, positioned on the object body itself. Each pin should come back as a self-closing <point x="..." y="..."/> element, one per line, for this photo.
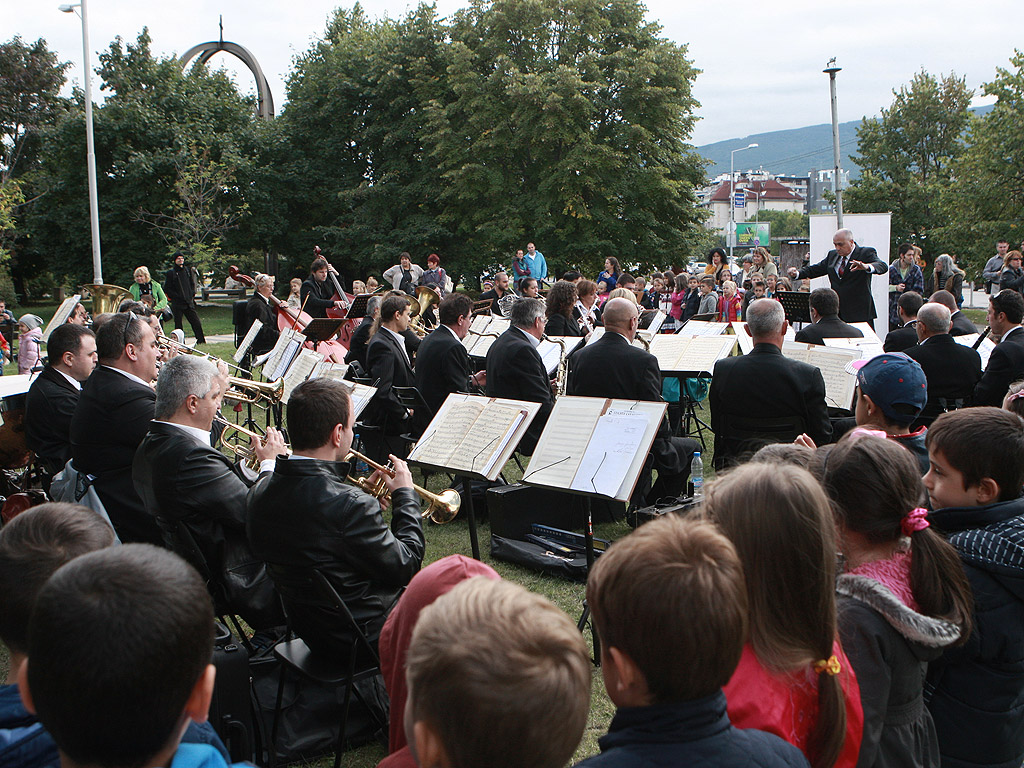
<point x="917" y="628"/>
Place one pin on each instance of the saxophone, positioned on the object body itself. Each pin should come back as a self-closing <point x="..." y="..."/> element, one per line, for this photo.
<point x="561" y="373"/>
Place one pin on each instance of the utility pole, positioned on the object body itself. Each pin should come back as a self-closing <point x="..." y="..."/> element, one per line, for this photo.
<point x="831" y="69"/>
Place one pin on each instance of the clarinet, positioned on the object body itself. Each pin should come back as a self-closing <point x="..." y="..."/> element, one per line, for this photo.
<point x="982" y="336"/>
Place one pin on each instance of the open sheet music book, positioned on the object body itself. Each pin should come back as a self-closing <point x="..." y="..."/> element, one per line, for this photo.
<point x="746" y="341"/>
<point x="326" y="369"/>
<point x="283" y="354"/>
<point x="477" y="346"/>
<point x="702" y="328"/>
<point x="984" y="349"/>
<point x="474" y="434"/>
<point x="250" y="337"/>
<point x="360" y="395"/>
<point x="832" y="362"/>
<point x="868" y="348"/>
<point x="678" y="354"/>
<point x="868" y="331"/>
<point x="61" y="315"/>
<point x="550" y="350"/>
<point x="299" y="371"/>
<point x="595" y="446"/>
<point x="599" y="332"/>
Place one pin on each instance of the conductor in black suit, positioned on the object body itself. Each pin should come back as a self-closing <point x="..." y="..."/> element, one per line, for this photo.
<point x="1006" y="363"/>
<point x="515" y="370"/>
<point x="54" y="394"/>
<point x="849" y="268"/>
<point x="612" y="367"/>
<point x="258" y="308"/>
<point x="388" y="364"/>
<point x="952" y="369"/>
<point x="184" y="481"/>
<point x="765" y="382"/>
<point x="442" y="362"/>
<point x="113" y="416"/>
<point x="825" y="322"/>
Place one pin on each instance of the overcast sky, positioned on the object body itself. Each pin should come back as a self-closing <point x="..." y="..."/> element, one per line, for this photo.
<point x="761" y="62"/>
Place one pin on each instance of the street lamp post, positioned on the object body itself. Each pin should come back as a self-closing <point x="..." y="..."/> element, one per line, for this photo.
<point x="732" y="195"/>
<point x="90" y="147"/>
<point x="831" y="69"/>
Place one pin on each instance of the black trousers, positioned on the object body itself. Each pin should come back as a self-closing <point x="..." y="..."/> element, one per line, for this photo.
<point x="189" y="311"/>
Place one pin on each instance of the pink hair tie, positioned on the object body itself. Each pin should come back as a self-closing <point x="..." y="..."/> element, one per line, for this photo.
<point x="864" y="432"/>
<point x="914" y="521"/>
<point x="1015" y="396"/>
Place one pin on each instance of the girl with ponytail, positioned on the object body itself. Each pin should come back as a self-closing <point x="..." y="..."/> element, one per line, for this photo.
<point x="793" y="678"/>
<point x="904" y="597"/>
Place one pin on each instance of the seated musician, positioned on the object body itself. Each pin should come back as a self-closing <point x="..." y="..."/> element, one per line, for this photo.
<point x="905" y="336"/>
<point x="304" y="515"/>
<point x="611" y="367"/>
<point x="765" y="382"/>
<point x="530" y="288"/>
<point x="184" y="481"/>
<point x="825" y="322"/>
<point x="442" y="363"/>
<point x="389" y="364"/>
<point x="499" y="290"/>
<point x="261" y="307"/>
<point x="112" y="418"/>
<point x="586" y="311"/>
<point x="560" y="301"/>
<point x="54" y="394"/>
<point x="515" y="370"/>
<point x="361" y="335"/>
<point x="952" y="370"/>
<point x="317" y="291"/>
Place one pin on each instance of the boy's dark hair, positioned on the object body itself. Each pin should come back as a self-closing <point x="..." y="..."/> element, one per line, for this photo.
<point x="66" y="338"/>
<point x="117" y="333"/>
<point x="625" y="277"/>
<point x="34" y="545"/>
<point x="673" y="590"/>
<point x="982" y="442"/>
<point x="117" y="641"/>
<point x="1010" y="303"/>
<point x="824" y="301"/>
<point x="571" y="275"/>
<point x="315" y="408"/>
<point x="452" y="306"/>
<point x="911" y="303"/>
<point x="708" y="280"/>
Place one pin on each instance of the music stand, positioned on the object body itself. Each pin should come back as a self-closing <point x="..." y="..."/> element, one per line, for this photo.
<point x="357" y="309"/>
<point x="797" y="305"/>
<point x="479" y="307"/>
<point x="322" y="329"/>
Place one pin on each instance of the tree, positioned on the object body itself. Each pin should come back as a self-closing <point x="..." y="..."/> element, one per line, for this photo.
<point x="907" y="156"/>
<point x="985" y="201"/>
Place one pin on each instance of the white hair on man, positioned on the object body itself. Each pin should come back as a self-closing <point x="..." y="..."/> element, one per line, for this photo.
<point x="180" y="377"/>
<point x="765" y="318"/>
<point x="934" y="317"/>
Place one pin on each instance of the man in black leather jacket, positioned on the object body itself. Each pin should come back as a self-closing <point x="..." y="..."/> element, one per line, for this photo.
<point x="305" y="516"/>
<point x="186" y="483"/>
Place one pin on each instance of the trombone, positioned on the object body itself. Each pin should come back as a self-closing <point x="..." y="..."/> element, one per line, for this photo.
<point x="243" y="453"/>
<point x="173" y="345"/>
<point x="441" y="507"/>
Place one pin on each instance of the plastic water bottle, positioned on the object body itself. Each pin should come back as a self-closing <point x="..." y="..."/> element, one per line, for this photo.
<point x="697" y="475"/>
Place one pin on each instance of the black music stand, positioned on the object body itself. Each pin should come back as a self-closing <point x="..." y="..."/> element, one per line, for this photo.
<point x="322" y="329"/>
<point x="357" y="309"/>
<point x="797" y="305"/>
<point x="479" y="307"/>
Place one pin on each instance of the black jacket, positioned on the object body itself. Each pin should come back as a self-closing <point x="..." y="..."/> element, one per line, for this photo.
<point x="493" y="296"/>
<point x="357" y="344"/>
<point x="515" y="371"/>
<point x="1005" y="366"/>
<point x="181" y="480"/>
<point x="49" y="407"/>
<point x="442" y="367"/>
<point x="830" y="327"/>
<point x="387" y="366"/>
<point x="765" y="382"/>
<point x="317" y="297"/>
<point x="889" y="646"/>
<point x="976" y="692"/>
<point x="305" y="515"/>
<point x="854" y="287"/>
<point x="952" y="371"/>
<point x="1012" y="280"/>
<point x="901" y="339"/>
<point x="962" y="325"/>
<point x="689" y="733"/>
<point x="560" y="325"/>
<point x="257" y="308"/>
<point x="690" y="305"/>
<point x="180" y="285"/>
<point x="111" y="419"/>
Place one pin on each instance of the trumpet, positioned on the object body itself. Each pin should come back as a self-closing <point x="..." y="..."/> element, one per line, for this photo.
<point x="441" y="507"/>
<point x="243" y="453"/>
<point x="173" y="345"/>
<point x="249" y="391"/>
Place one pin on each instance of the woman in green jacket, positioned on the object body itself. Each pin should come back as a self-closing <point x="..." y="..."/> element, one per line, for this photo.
<point x="149" y="292"/>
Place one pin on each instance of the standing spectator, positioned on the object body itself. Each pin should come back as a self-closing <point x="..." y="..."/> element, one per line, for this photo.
<point x="679" y="300"/>
<point x="692" y="302"/>
<point x="30" y="335"/>
<point x="180" y="288"/>
<point x="729" y="303"/>
<point x="904" y="275"/>
<point x="1012" y="276"/>
<point x="434" y="276"/>
<point x="947" y="276"/>
<point x="708" y="297"/>
<point x="520" y="270"/>
<point x="995" y="265"/>
<point x="716" y="263"/>
<point x="535" y="261"/>
<point x="611" y="273"/>
<point x="405" y="275"/>
<point x="762" y="263"/>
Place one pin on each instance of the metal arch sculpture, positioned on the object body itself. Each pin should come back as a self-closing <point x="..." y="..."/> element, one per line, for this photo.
<point x="206" y="51"/>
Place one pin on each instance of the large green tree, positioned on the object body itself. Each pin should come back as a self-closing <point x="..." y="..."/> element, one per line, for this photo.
<point x="907" y="155"/>
<point x="985" y="201"/>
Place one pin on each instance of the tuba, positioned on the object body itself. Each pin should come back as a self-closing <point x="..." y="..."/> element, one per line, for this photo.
<point x="105" y="298"/>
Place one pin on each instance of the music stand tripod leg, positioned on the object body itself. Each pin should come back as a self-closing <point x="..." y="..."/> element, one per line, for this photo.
<point x="588" y="534"/>
<point x="467" y="505"/>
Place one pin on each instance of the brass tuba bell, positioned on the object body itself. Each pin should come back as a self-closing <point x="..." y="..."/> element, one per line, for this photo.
<point x="105" y="298"/>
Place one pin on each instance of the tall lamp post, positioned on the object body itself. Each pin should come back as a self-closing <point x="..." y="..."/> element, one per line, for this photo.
<point x="732" y="195"/>
<point x="90" y="148"/>
<point x="831" y="69"/>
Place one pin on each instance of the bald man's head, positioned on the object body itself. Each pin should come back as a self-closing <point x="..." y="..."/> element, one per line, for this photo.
<point x="618" y="315"/>
<point x="933" y="318"/>
<point x="945" y="298"/>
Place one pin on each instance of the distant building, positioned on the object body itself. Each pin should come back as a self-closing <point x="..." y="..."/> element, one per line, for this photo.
<point x="820" y="183"/>
<point x="761" y="193"/>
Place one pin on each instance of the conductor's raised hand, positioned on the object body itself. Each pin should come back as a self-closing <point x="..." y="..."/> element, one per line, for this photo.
<point x="792" y="271"/>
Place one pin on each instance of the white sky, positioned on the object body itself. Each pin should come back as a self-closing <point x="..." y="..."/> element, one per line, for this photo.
<point x="761" y="62"/>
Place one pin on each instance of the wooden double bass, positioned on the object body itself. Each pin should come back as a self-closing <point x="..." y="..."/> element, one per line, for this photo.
<point x="338" y="313"/>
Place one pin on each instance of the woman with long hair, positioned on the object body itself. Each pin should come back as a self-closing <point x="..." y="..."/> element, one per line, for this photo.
<point x="560" y="302"/>
<point x="793" y="680"/>
<point x="611" y="273"/>
<point x="717" y="261"/>
<point x="904" y="597"/>
<point x="1012" y="276"/>
<point x="762" y="263"/>
<point x="947" y="276"/>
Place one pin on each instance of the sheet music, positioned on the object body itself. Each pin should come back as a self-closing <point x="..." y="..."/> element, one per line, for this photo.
<point x="443" y="441"/>
<point x="984" y="350"/>
<point x="702" y="328"/>
<point x="61" y="315"/>
<point x="550" y="351"/>
<point x="657" y="322"/>
<point x="360" y="395"/>
<point x="325" y="369"/>
<point x="498" y="325"/>
<point x="615" y="441"/>
<point x="868" y="348"/>
<point x="868" y="331"/>
<point x="288" y="343"/>
<point x="746" y="341"/>
<point x="559" y="451"/>
<point x="682" y="353"/>
<point x="597" y="334"/>
<point x="250" y="337"/>
<point x="299" y="371"/>
<point x="832" y="362"/>
<point x="479" y="449"/>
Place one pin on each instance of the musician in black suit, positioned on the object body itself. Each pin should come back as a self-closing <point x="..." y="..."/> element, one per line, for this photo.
<point x="442" y="362"/>
<point x="258" y="308"/>
<point x="560" y="320"/>
<point x="389" y="365"/>
<point x="317" y="291"/>
<point x="113" y="416"/>
<point x="765" y="382"/>
<point x="961" y="323"/>
<point x="184" y="481"/>
<point x="903" y="338"/>
<point x="361" y="335"/>
<point x="611" y="367"/>
<point x="515" y="370"/>
<point x="825" y="322"/>
<point x="1006" y="363"/>
<point x="54" y="394"/>
<point x="952" y="370"/>
<point x="499" y="291"/>
<point x="849" y="268"/>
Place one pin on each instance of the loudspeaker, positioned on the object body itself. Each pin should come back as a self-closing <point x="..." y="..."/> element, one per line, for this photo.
<point x="512" y="509"/>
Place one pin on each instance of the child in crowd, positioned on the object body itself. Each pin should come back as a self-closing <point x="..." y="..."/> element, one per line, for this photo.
<point x="119" y="648"/>
<point x="692" y="301"/>
<point x="793" y="679"/>
<point x="358" y="287"/>
<point x="770" y="283"/>
<point x="498" y="677"/>
<point x="1014" y="400"/>
<point x="729" y="303"/>
<point x="30" y="336"/>
<point x="435" y="580"/>
<point x="295" y="293"/>
<point x="602" y="292"/>
<point x="903" y="597"/>
<point x="708" y="297"/>
<point x="678" y="299"/>
<point x="670" y="608"/>
<point x="976" y="693"/>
